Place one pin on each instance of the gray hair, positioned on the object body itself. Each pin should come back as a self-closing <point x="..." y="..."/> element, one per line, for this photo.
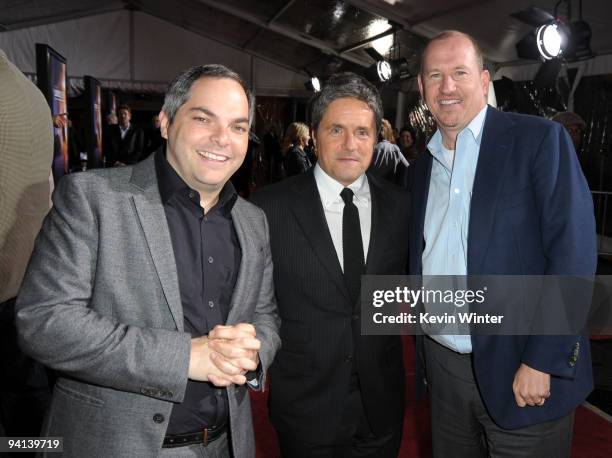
<point x="450" y="34"/>
<point x="178" y="91"/>
<point x="345" y="85"/>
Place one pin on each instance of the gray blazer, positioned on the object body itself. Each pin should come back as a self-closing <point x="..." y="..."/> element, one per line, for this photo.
<point x="100" y="304"/>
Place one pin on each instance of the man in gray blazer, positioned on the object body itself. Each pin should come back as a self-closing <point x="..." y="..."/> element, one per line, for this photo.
<point x="150" y="290"/>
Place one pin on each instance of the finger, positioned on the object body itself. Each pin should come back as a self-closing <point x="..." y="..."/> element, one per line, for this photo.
<point x="247" y="364"/>
<point x="235" y="348"/>
<point x="218" y="380"/>
<point x="226" y="381"/>
<point x="232" y="332"/>
<point x="247" y="327"/>
<point x="225" y="366"/>
<point x="235" y="379"/>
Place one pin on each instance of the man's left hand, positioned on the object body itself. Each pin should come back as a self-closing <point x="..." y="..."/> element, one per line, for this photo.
<point x="531" y="387"/>
<point x="235" y="347"/>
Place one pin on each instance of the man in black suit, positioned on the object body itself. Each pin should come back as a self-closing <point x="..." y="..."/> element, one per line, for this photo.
<point x="127" y="141"/>
<point x="334" y="392"/>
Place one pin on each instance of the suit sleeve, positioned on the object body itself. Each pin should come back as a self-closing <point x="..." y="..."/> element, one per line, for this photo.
<point x="58" y="327"/>
<point x="567" y="227"/>
<point x="266" y="319"/>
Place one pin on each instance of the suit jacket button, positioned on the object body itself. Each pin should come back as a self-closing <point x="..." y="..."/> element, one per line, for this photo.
<point x="158" y="418"/>
<point x="348" y="358"/>
<point x="355" y="317"/>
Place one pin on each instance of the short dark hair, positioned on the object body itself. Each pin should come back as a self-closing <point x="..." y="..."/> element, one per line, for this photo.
<point x="124" y="107"/>
<point x="345" y="85"/>
<point x="178" y="91"/>
<point x="449" y="34"/>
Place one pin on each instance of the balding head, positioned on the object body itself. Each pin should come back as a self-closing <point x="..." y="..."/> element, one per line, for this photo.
<point x="447" y="34"/>
<point x="453" y="82"/>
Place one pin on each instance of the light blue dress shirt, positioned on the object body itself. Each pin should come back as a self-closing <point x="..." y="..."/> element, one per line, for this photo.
<point x="447" y="216"/>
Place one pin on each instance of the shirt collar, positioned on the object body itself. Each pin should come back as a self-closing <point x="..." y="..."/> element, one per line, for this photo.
<point x="474" y="127"/>
<point x="329" y="188"/>
<point x="170" y="183"/>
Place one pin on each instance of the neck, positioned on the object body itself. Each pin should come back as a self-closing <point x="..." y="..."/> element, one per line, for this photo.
<point x="449" y="140"/>
<point x="125" y="126"/>
<point x="208" y="201"/>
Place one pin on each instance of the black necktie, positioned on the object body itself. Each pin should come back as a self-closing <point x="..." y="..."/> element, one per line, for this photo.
<point x="352" y="246"/>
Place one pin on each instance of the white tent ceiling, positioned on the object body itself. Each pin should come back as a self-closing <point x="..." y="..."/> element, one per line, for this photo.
<point x="274" y="43"/>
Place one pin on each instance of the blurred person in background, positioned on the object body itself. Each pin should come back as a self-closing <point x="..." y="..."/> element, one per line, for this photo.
<point x="296" y="139"/>
<point x="26" y="153"/>
<point x="388" y="161"/>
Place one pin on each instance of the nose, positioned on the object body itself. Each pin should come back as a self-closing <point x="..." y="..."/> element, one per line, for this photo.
<point x="448" y="84"/>
<point x="350" y="143"/>
<point x="220" y="135"/>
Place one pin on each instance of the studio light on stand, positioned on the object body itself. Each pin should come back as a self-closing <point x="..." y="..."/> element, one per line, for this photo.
<point x="313" y="84"/>
<point x="383" y="71"/>
<point x="551" y="40"/>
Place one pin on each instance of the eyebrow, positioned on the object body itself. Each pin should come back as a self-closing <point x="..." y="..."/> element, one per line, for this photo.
<point x="344" y="127"/>
<point x="207" y="112"/>
<point x="457" y="67"/>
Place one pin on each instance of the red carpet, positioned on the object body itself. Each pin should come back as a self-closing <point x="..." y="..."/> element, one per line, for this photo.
<point x="592" y="433"/>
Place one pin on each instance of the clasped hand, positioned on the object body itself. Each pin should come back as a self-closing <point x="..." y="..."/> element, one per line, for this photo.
<point x="225" y="355"/>
<point x="530" y="386"/>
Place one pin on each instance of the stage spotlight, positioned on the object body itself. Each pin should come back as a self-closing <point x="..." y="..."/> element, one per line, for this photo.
<point x="551" y="40"/>
<point x="380" y="72"/>
<point x="313" y="84"/>
<point x="383" y="69"/>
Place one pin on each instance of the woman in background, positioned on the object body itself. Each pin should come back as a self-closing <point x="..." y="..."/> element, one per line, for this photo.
<point x="388" y="161"/>
<point x="407" y="143"/>
<point x="296" y="159"/>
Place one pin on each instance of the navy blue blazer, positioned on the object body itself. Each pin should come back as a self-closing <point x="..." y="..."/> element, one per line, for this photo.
<point x="531" y="213"/>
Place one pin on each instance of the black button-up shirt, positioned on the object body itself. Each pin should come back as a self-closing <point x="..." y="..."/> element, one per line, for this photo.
<point x="207" y="254"/>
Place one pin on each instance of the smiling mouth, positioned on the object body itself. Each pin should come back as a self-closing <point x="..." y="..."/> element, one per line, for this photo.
<point x="449" y="102"/>
<point x="211" y="156"/>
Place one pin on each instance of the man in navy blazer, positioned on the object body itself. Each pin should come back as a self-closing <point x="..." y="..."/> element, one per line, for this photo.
<point x="497" y="194"/>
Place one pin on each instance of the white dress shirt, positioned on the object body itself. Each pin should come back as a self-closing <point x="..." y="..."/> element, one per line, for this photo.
<point x="333" y="207"/>
<point x="124" y="131"/>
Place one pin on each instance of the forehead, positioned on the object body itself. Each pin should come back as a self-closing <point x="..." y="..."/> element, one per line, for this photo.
<point x="452" y="51"/>
<point x="222" y="92"/>
<point x="348" y="109"/>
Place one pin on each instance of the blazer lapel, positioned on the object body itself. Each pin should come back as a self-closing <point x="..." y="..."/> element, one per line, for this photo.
<point x="493" y="157"/>
<point x="379" y="212"/>
<point x="421" y="177"/>
<point x="150" y="213"/>
<point x="242" y="225"/>
<point x="311" y="218"/>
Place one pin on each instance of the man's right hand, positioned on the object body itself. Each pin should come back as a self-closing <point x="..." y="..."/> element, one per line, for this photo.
<point x="201" y="366"/>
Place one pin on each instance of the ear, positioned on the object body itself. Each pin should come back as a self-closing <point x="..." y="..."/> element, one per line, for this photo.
<point x="485" y="78"/>
<point x="163" y="124"/>
<point x="313" y="135"/>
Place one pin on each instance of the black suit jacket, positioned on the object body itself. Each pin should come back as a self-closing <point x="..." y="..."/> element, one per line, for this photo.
<point x="128" y="150"/>
<point x="320" y="328"/>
